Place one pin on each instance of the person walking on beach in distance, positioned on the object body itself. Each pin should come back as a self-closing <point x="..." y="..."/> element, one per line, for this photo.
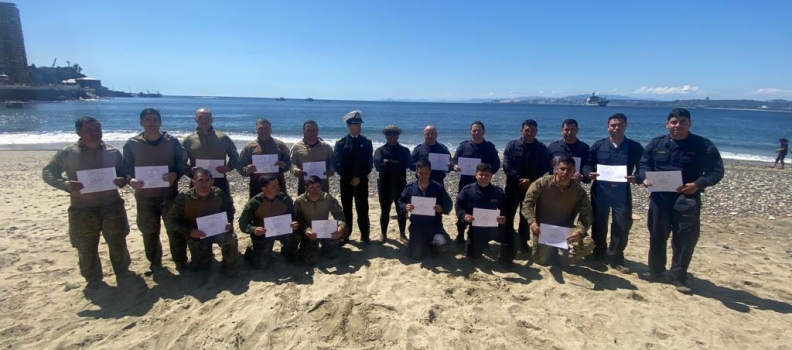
<point x="201" y="200"/>
<point x="391" y="161"/>
<point x="271" y="202"/>
<point x="353" y="161"/>
<point x="309" y="150"/>
<point x="152" y="148"/>
<point x="485" y="196"/>
<point x="478" y="148"/>
<point x="264" y="144"/>
<point x="524" y="161"/>
<point x="570" y="146"/>
<point x="92" y="213"/>
<point x="781" y="152"/>
<point x="615" y="197"/>
<point x="210" y="147"/>
<point x="559" y="201"/>
<point x="426" y="231"/>
<point x="316" y="204"/>
<point x="431" y="145"/>
<point x="679" y="212"/>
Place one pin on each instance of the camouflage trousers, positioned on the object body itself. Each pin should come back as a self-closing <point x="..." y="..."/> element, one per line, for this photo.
<point x="201" y="250"/>
<point x="85" y="226"/>
<point x="547" y="255"/>
<point x="308" y="249"/>
<point x="149" y="212"/>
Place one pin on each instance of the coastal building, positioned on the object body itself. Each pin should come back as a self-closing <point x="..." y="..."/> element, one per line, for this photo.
<point x="13" y="59"/>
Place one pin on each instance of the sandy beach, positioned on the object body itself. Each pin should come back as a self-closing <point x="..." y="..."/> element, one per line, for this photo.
<point x="373" y="297"/>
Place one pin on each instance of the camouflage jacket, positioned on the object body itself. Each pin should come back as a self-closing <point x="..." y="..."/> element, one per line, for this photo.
<point x="547" y="203"/>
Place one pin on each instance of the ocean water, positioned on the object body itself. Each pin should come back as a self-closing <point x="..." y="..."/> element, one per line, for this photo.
<point x="738" y="134"/>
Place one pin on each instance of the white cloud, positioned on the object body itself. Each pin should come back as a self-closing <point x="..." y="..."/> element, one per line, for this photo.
<point x="773" y="91"/>
<point x="666" y="90"/>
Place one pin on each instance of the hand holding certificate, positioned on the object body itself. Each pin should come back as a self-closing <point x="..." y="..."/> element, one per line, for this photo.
<point x="324" y="228"/>
<point x="278" y="225"/>
<point x="467" y="166"/>
<point x="485" y="217"/>
<point x="97" y="180"/>
<point x="612" y="173"/>
<point x="554" y="236"/>
<point x="212" y="225"/>
<point x="664" y="181"/>
<point x="439" y="161"/>
<point x="211" y="165"/>
<point x="265" y="163"/>
<point x="423" y="205"/>
<point x="152" y="176"/>
<point x="315" y="168"/>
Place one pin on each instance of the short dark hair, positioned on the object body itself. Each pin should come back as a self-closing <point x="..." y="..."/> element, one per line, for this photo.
<point x="566" y="160"/>
<point x="265" y="180"/>
<point x="313" y="179"/>
<point x="423" y="162"/>
<point x="309" y="122"/>
<point x="569" y="122"/>
<point x="199" y="171"/>
<point x="618" y="116"/>
<point x="78" y="124"/>
<point x="263" y="121"/>
<point x="678" y="113"/>
<point x="484" y="167"/>
<point x="529" y="122"/>
<point x="148" y="111"/>
<point x="479" y="123"/>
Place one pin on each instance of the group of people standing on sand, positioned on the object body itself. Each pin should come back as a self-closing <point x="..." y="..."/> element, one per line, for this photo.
<point x="542" y="189"/>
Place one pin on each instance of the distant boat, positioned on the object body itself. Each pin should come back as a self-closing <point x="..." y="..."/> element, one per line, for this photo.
<point x="595" y="100"/>
<point x="149" y="94"/>
<point x="14" y="104"/>
<point x="309" y="99"/>
<point x="280" y="99"/>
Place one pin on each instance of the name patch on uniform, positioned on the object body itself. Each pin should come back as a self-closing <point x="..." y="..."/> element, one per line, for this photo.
<point x="661" y="152"/>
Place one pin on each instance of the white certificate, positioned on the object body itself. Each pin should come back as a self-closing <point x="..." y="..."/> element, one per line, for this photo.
<point x="554" y="236"/>
<point x="315" y="168"/>
<point x="439" y="161"/>
<point x="664" y="181"/>
<point x="97" y="180"/>
<point x="577" y="164"/>
<point x="265" y="163"/>
<point x="324" y="228"/>
<point x="152" y="176"/>
<point x="612" y="173"/>
<point x="423" y="205"/>
<point x="211" y="165"/>
<point x="468" y="165"/>
<point x="485" y="217"/>
<point x="212" y="225"/>
<point x="278" y="225"/>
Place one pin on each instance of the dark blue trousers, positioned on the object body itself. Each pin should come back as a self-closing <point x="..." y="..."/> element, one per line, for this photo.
<point x="611" y="200"/>
<point x="678" y="214"/>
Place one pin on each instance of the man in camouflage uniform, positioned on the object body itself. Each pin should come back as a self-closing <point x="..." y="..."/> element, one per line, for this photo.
<point x="557" y="200"/>
<point x="263" y="144"/>
<point x="202" y="200"/>
<point x="92" y="213"/>
<point x="209" y="144"/>
<point x="311" y="149"/>
<point x="153" y="147"/>
<point x="316" y="204"/>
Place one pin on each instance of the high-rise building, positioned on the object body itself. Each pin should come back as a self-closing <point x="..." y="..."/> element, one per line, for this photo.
<point x="13" y="59"/>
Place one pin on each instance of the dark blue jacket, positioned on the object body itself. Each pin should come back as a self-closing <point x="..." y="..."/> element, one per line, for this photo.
<point x="525" y="161"/>
<point x="603" y="152"/>
<point x="697" y="158"/>
<point x="474" y="196"/>
<point x="435" y="190"/>
<point x="352" y="157"/>
<point x="422" y="152"/>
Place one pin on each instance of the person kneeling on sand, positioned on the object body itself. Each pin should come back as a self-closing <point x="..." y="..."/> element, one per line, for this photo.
<point x="426" y="231"/>
<point x="200" y="201"/>
<point x="277" y="209"/>
<point x="557" y="200"/>
<point x="488" y="202"/>
<point x="310" y="207"/>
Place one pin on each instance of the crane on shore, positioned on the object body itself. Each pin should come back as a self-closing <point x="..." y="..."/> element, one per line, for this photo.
<point x="54" y="61"/>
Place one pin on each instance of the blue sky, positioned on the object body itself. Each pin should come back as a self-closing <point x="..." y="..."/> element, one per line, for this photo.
<point x="438" y="50"/>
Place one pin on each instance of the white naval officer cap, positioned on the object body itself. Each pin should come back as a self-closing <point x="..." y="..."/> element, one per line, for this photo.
<point x="353" y="117"/>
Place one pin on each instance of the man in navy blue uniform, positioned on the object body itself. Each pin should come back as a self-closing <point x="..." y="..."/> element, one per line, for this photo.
<point x="678" y="212"/>
<point x="524" y="161"/>
<point x="569" y="146"/>
<point x="484" y="195"/>
<point x="479" y="148"/>
<point x="430" y="145"/>
<point x="426" y="232"/>
<point x="391" y="161"/>
<point x="613" y="197"/>
<point x="352" y="160"/>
